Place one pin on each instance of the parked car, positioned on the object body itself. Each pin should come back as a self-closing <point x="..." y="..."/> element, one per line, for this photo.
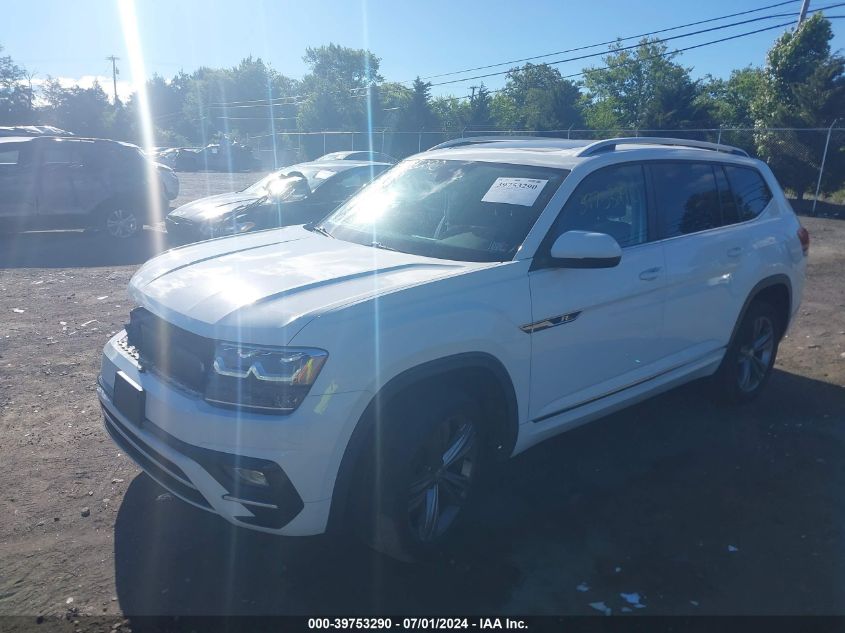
<point x="181" y="158"/>
<point x="294" y="195"/>
<point x="223" y="157"/>
<point x="380" y="157"/>
<point x="71" y="182"/>
<point x="364" y="371"/>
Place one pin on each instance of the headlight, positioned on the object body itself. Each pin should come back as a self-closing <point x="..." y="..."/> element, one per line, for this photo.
<point x="262" y="379"/>
<point x="231" y="226"/>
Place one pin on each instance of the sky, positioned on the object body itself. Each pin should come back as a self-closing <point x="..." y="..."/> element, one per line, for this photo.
<point x="71" y="40"/>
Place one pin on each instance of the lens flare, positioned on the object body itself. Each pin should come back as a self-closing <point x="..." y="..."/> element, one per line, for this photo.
<point x="131" y="37"/>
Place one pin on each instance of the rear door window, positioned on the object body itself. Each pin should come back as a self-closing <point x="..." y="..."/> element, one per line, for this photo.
<point x="750" y="191"/>
<point x="65" y="152"/>
<point x="687" y="198"/>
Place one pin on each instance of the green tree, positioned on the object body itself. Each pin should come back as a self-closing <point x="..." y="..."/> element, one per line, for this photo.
<point x="728" y="101"/>
<point x="803" y="86"/>
<point x="417" y="114"/>
<point x="536" y="97"/>
<point x="481" y="109"/>
<point x="83" y="111"/>
<point x="394" y="98"/>
<point x="452" y="113"/>
<point x="341" y="89"/>
<point x="16" y="94"/>
<point x="642" y="88"/>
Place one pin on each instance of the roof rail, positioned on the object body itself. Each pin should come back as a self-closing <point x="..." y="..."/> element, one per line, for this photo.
<point x="608" y="145"/>
<point x="475" y="140"/>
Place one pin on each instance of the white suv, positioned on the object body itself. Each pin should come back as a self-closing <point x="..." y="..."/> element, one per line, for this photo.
<point x="471" y="302"/>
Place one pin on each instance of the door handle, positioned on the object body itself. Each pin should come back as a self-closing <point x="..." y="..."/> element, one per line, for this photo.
<point x="650" y="274"/>
<point x="736" y="251"/>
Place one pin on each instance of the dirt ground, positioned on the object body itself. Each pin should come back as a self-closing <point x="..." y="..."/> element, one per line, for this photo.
<point x="697" y="508"/>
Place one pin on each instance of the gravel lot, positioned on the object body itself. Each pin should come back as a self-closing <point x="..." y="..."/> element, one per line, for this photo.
<point x="699" y="509"/>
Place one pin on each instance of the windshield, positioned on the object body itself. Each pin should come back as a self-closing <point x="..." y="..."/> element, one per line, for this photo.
<point x="284" y="179"/>
<point x="469" y="211"/>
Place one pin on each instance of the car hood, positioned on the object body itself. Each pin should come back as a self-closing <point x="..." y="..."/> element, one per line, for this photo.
<point x="264" y="287"/>
<point x="213" y="208"/>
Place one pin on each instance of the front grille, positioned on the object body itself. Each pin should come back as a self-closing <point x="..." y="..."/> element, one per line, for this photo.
<point x="131" y="352"/>
<point x="177" y="355"/>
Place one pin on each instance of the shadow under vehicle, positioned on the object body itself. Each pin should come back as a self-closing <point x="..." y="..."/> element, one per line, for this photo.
<point x="297" y="194"/>
<point x="66" y="183"/>
<point x="647" y="500"/>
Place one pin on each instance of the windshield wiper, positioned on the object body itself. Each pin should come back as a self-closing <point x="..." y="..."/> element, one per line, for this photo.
<point x="383" y="246"/>
<point x="318" y="229"/>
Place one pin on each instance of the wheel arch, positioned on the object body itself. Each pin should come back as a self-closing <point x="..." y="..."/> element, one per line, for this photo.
<point x="475" y="370"/>
<point x="776" y="290"/>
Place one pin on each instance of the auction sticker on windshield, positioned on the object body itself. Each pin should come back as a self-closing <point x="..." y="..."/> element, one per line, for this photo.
<point x="522" y="191"/>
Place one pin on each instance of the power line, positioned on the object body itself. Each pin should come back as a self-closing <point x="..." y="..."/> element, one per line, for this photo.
<point x="637" y="61"/>
<point x="634" y="61"/>
<point x="257" y="101"/>
<point x="278" y="101"/>
<point x="613" y="41"/>
<point x="257" y="105"/>
<point x="262" y="102"/>
<point x="268" y="102"/>
<point x="650" y="57"/>
<point x="252" y="118"/>
<point x="633" y="46"/>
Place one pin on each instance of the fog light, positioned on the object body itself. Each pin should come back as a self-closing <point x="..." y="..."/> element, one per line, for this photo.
<point x="252" y="477"/>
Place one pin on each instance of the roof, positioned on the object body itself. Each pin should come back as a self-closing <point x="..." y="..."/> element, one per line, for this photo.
<point x="347" y="152"/>
<point x="339" y="165"/>
<point x="16" y="139"/>
<point x="567" y="153"/>
<point x="33" y="130"/>
<point x="64" y="139"/>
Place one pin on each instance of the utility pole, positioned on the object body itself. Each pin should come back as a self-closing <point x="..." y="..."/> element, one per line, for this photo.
<point x="472" y="97"/>
<point x="805" y="5"/>
<point x="115" y="72"/>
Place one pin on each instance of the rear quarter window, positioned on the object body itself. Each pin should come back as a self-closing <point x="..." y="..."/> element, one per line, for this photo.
<point x="749" y="190"/>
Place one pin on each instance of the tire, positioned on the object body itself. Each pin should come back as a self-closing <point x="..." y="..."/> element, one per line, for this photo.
<point x="410" y="501"/>
<point x="748" y="362"/>
<point x="121" y="223"/>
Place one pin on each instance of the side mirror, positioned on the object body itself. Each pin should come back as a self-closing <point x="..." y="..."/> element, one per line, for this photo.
<point x="583" y="249"/>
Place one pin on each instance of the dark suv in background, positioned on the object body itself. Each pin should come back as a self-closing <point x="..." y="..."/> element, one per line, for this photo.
<point x="71" y="182"/>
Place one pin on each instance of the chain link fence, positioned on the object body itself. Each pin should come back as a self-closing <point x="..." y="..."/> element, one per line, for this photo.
<point x="809" y="162"/>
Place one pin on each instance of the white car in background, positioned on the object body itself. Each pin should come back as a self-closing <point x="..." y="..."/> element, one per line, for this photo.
<point x="473" y="301"/>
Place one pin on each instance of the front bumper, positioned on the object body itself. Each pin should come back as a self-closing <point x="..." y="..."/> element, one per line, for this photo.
<point x="191" y="448"/>
<point x="181" y="232"/>
<point x="272" y="506"/>
<point x="169" y="184"/>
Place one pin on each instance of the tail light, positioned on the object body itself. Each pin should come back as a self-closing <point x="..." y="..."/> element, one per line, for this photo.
<point x="804" y="238"/>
